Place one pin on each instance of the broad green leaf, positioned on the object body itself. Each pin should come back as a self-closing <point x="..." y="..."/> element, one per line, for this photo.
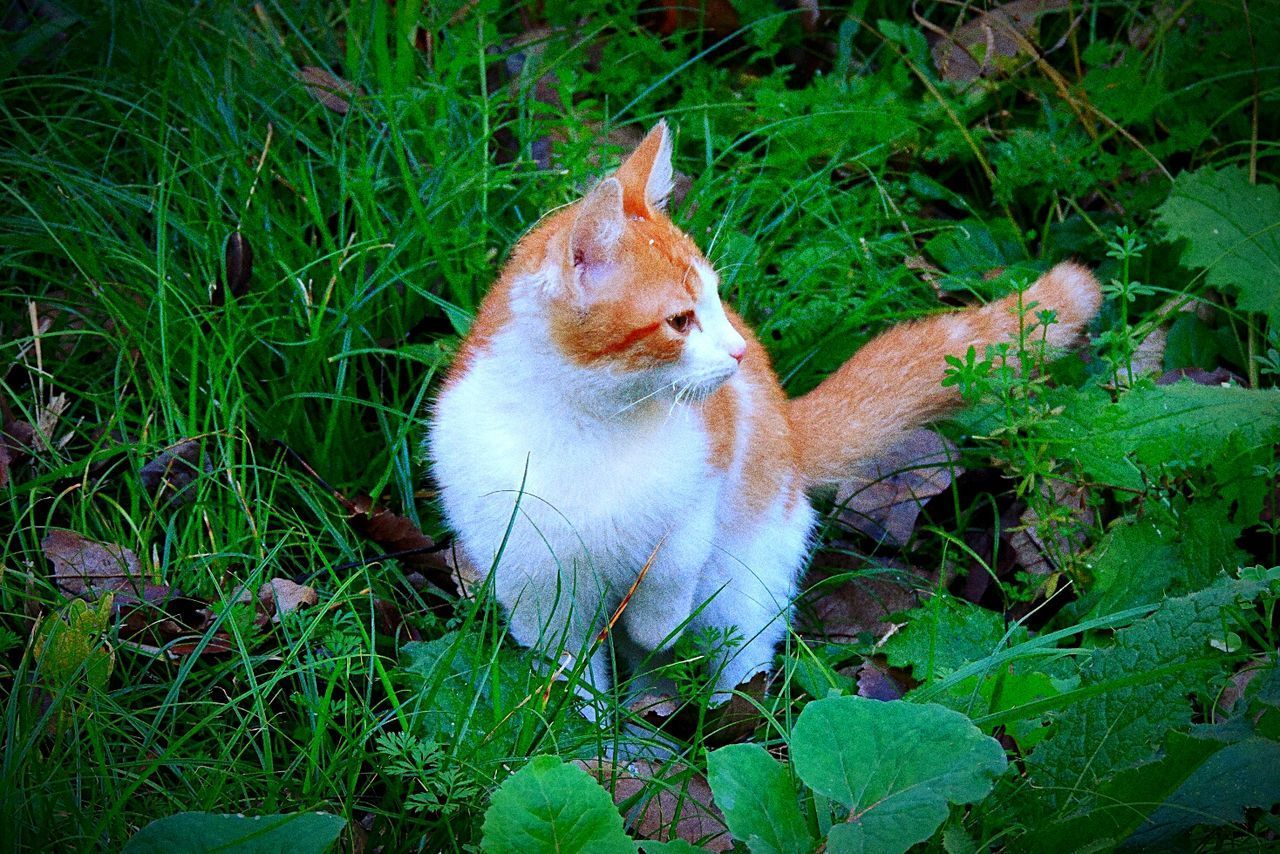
<point x="1126" y="442"/>
<point x="756" y="795"/>
<point x="1269" y="689"/>
<point x="1169" y="550"/>
<point x="1232" y="229"/>
<point x="896" y="766"/>
<point x="1144" y="680"/>
<point x="947" y="633"/>
<point x="1191" y="343"/>
<point x="199" y="832"/>
<point x="1199" y="779"/>
<point x="1239" y="776"/>
<point x="1124" y="802"/>
<point x="1007" y="688"/>
<point x="550" y="806"/>
<point x="970" y="250"/>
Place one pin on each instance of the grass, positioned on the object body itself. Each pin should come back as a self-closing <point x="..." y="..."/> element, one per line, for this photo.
<point x="140" y="135"/>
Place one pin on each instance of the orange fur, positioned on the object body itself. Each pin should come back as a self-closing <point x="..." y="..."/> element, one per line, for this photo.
<point x="891" y="384"/>
<point x="604" y="375"/>
<point x="894" y="382"/>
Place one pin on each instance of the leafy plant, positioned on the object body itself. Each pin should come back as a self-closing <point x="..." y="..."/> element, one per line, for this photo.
<point x="232" y="229"/>
<point x="550" y="806"/>
<point x="882" y="774"/>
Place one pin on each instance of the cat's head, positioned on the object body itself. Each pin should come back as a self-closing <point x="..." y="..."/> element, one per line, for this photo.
<point x="627" y="296"/>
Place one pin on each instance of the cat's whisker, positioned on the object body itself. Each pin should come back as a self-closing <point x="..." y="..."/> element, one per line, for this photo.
<point x="683" y="390"/>
<point x="641" y="400"/>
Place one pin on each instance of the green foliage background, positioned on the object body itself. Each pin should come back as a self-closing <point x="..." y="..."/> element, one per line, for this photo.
<point x="840" y="183"/>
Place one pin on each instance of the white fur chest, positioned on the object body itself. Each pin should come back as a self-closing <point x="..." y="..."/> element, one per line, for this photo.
<point x="602" y="491"/>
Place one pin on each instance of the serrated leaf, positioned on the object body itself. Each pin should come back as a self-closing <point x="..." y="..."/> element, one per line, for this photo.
<point x="1118" y="443"/>
<point x="198" y="832"/>
<point x="1168" y="551"/>
<point x="896" y="766"/>
<point x="550" y="806"/>
<point x="1232" y="229"/>
<point x="945" y="634"/>
<point x="671" y="846"/>
<point x="755" y="793"/>
<point x="1197" y="780"/>
<point x="1144" y="682"/>
<point x="1237" y="777"/>
<point x="467" y="696"/>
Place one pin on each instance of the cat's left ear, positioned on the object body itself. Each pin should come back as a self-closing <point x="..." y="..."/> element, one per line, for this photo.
<point x="647" y="175"/>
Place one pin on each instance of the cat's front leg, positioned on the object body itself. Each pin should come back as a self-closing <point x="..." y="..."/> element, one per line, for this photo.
<point x="744" y="598"/>
<point x="662" y="600"/>
<point x="557" y="608"/>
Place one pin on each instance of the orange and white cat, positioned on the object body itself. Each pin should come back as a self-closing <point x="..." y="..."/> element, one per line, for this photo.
<point x="606" y="407"/>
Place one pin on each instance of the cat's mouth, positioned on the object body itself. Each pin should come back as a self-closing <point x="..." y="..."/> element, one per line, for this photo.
<point x="698" y="388"/>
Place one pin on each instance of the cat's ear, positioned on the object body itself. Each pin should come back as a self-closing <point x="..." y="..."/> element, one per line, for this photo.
<point x="647" y="175"/>
<point x="594" y="237"/>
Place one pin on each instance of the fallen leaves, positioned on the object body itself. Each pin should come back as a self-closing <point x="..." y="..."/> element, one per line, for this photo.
<point x="170" y="475"/>
<point x="402" y="539"/>
<point x="238" y="267"/>
<point x="82" y="566"/>
<point x="70" y="644"/>
<point x="281" y="596"/>
<point x="156" y="617"/>
<point x="16" y="439"/>
<point x="1041" y="544"/>
<point x="979" y="47"/>
<point x="885" y="496"/>
<point x="663" y="802"/>
<point x="328" y="88"/>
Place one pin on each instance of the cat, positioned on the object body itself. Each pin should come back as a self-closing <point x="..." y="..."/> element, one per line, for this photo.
<point x="609" y="428"/>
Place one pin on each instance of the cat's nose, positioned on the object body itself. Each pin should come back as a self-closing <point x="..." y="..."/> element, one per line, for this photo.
<point x="739" y="352"/>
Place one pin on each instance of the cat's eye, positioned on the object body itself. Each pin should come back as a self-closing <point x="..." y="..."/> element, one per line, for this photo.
<point x="681" y="322"/>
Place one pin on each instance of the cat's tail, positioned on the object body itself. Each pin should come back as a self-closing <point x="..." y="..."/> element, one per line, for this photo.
<point x="895" y="381"/>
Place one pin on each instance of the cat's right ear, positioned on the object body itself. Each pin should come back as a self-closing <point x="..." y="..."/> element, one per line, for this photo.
<point x="593" y="240"/>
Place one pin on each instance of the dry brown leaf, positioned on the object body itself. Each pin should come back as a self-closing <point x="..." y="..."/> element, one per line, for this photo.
<point x="884" y="496"/>
<point x="161" y="614"/>
<point x="238" y="263"/>
<point x="47" y="421"/>
<point x="858" y="605"/>
<point x="1148" y="356"/>
<point x="1238" y="683"/>
<point x="1042" y="546"/>
<point x="328" y="88"/>
<point x="876" y="683"/>
<point x="675" y="803"/>
<point x="82" y="565"/>
<point x="974" y="48"/>
<point x="718" y="18"/>
<point x="220" y="643"/>
<point x="1218" y="376"/>
<point x="811" y="11"/>
<point x="169" y="476"/>
<point x="16" y="441"/>
<point x="282" y="596"/>
<point x="739" y="717"/>
<point x="390" y="620"/>
<point x="928" y="272"/>
<point x="399" y="536"/>
<point x="654" y="706"/>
